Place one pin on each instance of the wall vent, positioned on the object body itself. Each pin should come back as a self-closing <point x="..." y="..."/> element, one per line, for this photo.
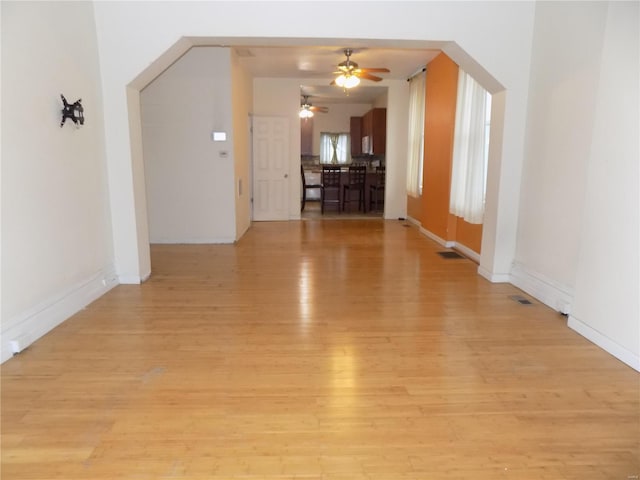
<point x="521" y="300"/>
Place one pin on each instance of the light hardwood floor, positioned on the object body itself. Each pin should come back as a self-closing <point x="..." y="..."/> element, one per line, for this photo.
<point x="312" y="211"/>
<point x="317" y="350"/>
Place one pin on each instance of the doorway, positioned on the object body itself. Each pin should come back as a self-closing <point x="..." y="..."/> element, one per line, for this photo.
<point x="341" y="124"/>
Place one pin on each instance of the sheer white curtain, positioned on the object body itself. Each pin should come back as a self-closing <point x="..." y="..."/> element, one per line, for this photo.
<point x="469" y="172"/>
<point x="334" y="148"/>
<point x="416" y="134"/>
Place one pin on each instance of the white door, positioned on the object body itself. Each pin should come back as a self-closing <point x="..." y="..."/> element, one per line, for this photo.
<point x="270" y="168"/>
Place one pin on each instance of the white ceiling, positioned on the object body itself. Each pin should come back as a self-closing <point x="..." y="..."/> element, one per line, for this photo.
<point x="317" y="62"/>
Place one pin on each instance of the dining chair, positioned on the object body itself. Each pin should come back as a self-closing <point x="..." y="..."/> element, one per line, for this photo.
<point x="330" y="193"/>
<point x="376" y="188"/>
<point x="355" y="183"/>
<point x="307" y="186"/>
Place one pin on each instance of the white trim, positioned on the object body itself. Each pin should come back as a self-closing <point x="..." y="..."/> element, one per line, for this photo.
<point x="196" y="241"/>
<point x="494" y="277"/>
<point x="436" y="238"/>
<point x="604" y="342"/>
<point x="130" y="279"/>
<point x="25" y="328"/>
<point x="467" y="252"/>
<point x="553" y="294"/>
<point x="414" y="221"/>
<point x="133" y="279"/>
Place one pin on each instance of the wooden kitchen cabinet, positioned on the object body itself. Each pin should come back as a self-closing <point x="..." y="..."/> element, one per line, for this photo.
<point x="355" y="131"/>
<point x="306" y="136"/>
<point x="377" y="125"/>
<point x="367" y="123"/>
<point x="372" y="124"/>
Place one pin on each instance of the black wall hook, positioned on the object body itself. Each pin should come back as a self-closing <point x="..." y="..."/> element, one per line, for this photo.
<point x="72" y="111"/>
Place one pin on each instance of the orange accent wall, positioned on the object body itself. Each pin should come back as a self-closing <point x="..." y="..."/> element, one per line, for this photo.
<point x="432" y="208"/>
<point x="468" y="234"/>
<point x="414" y="207"/>
<point x="440" y="118"/>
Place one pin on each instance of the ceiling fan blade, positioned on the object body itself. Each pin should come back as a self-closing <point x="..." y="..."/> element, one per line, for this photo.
<point x="375" y="70"/>
<point x="369" y="77"/>
<point x="319" y="109"/>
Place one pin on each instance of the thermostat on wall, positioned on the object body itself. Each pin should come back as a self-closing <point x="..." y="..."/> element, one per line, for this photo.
<point x="219" y="136"/>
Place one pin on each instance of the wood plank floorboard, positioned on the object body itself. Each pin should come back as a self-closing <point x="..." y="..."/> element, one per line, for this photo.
<point x="317" y="350"/>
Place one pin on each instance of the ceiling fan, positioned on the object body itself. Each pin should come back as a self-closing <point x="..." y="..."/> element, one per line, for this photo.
<point x="349" y="74"/>
<point x="307" y="110"/>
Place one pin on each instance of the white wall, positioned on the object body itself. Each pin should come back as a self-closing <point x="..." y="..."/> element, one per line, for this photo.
<point x="562" y="101"/>
<point x="606" y="307"/>
<point x="496" y="35"/>
<point x="395" y="191"/>
<point x="56" y="233"/>
<point x="190" y="187"/>
<point x="336" y="120"/>
<point x="578" y="221"/>
<point x="242" y="105"/>
<point x="382" y="101"/>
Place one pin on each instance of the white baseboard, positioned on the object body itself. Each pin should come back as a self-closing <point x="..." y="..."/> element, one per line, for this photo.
<point x="604" y="342"/>
<point x="129" y="279"/>
<point x="467" y="252"/>
<point x="414" y="221"/>
<point x="494" y="277"/>
<point x="436" y="238"/>
<point x="133" y="279"/>
<point x="25" y="328"/>
<point x="194" y="241"/>
<point x="551" y="293"/>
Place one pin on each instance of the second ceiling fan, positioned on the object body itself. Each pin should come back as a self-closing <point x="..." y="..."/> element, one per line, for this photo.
<point x="307" y="109"/>
<point x="349" y="73"/>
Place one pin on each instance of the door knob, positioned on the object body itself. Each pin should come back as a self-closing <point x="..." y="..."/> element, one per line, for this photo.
<point x="286" y="175"/>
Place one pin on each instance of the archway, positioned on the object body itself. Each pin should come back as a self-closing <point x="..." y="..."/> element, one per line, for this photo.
<point x="492" y="253"/>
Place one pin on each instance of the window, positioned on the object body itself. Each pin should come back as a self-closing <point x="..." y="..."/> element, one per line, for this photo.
<point x="470" y="150"/>
<point x="334" y="148"/>
<point x="417" y="92"/>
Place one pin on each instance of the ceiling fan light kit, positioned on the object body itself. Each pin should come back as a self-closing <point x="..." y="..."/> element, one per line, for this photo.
<point x="306" y="109"/>
<point x="347" y="81"/>
<point x="350" y="73"/>
<point x="305" y="113"/>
